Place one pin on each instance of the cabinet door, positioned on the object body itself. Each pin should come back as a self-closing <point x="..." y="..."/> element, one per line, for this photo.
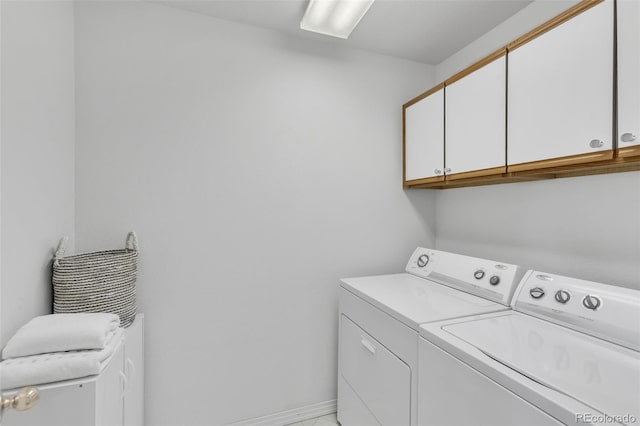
<point x="70" y="403"/>
<point x="110" y="387"/>
<point x="134" y="371"/>
<point x="475" y="112"/>
<point x="560" y="91"/>
<point x="629" y="77"/>
<point x="424" y="138"/>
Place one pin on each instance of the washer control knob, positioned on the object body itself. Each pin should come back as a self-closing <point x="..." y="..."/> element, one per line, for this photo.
<point x="494" y="280"/>
<point x="536" y="292"/>
<point x="591" y="302"/>
<point x="423" y="260"/>
<point x="562" y="296"/>
<point x="479" y="274"/>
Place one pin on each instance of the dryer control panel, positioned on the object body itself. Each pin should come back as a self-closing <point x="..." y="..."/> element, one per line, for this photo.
<point x="493" y="280"/>
<point x="609" y="312"/>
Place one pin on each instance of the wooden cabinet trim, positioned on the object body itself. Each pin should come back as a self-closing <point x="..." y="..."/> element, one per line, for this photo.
<point x="623" y="159"/>
<point x="429" y="180"/>
<point x="629" y="151"/>
<point x="553" y="23"/>
<point x="478" y="173"/>
<point x="424" y="95"/>
<point x="571" y="160"/>
<point x="616" y="165"/>
<point x="476" y="66"/>
<point x="404" y="147"/>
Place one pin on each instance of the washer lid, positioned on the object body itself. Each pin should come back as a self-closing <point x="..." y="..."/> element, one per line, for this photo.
<point x="600" y="374"/>
<point x="415" y="301"/>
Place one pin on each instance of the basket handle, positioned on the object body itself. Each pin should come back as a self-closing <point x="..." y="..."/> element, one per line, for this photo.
<point x="132" y="241"/>
<point x="62" y="246"/>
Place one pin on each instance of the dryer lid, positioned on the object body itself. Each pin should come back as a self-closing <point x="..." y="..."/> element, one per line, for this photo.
<point x="416" y="301"/>
<point x="600" y="374"/>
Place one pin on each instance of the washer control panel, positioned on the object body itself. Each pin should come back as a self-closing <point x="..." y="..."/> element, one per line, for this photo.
<point x="601" y="310"/>
<point x="490" y="279"/>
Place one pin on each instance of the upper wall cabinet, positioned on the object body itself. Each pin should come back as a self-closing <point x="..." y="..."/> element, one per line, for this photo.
<point x="560" y="91"/>
<point x="628" y="77"/>
<point x="424" y="138"/>
<point x="475" y="111"/>
<point x="542" y="107"/>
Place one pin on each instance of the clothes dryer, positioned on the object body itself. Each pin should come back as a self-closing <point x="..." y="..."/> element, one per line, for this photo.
<point x="380" y="317"/>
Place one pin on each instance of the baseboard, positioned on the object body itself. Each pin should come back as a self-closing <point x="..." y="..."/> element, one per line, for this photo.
<point x="291" y="416"/>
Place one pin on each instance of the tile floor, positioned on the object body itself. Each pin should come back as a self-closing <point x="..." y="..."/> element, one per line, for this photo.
<point x="328" y="420"/>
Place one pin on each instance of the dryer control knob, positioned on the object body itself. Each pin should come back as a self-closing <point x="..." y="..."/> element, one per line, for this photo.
<point x="423" y="260"/>
<point x="494" y="280"/>
<point x="562" y="296"/>
<point x="591" y="302"/>
<point x="536" y="292"/>
<point x="479" y="274"/>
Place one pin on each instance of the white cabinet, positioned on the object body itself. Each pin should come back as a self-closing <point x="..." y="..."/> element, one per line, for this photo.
<point x="112" y="398"/>
<point x="628" y="77"/>
<point x="475" y="112"/>
<point x="90" y="401"/>
<point x="109" y="393"/>
<point x="134" y="373"/>
<point x="560" y="91"/>
<point x="424" y="137"/>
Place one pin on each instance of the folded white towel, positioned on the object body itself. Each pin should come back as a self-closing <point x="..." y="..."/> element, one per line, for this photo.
<point x="58" y="366"/>
<point x="61" y="332"/>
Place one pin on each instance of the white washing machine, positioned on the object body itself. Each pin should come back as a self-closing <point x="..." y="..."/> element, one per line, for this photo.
<point x="567" y="354"/>
<point x="380" y="317"/>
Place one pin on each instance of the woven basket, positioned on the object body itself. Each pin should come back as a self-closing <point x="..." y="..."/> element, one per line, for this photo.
<point x="103" y="281"/>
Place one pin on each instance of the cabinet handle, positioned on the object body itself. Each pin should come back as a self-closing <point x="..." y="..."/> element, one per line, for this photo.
<point x="368" y="345"/>
<point x="123" y="382"/>
<point x="447" y="170"/>
<point x="131" y="371"/>
<point x="596" y="143"/>
<point x="437" y="171"/>
<point x="627" y="137"/>
<point x="25" y="399"/>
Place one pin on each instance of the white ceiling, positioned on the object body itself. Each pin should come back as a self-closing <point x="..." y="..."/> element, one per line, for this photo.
<point x="426" y="31"/>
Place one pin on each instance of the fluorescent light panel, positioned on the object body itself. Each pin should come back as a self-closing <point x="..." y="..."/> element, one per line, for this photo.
<point x="336" y="18"/>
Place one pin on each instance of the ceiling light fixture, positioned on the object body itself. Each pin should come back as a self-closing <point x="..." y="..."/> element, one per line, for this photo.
<point x="336" y="18"/>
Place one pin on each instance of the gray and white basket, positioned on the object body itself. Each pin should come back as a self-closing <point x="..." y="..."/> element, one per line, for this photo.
<point x="103" y="281"/>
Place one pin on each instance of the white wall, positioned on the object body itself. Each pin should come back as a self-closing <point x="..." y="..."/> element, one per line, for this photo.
<point x="536" y="13"/>
<point x="587" y="227"/>
<point x="257" y="170"/>
<point x="37" y="143"/>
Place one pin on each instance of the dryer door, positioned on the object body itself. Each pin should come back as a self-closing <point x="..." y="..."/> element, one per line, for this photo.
<point x="376" y="375"/>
